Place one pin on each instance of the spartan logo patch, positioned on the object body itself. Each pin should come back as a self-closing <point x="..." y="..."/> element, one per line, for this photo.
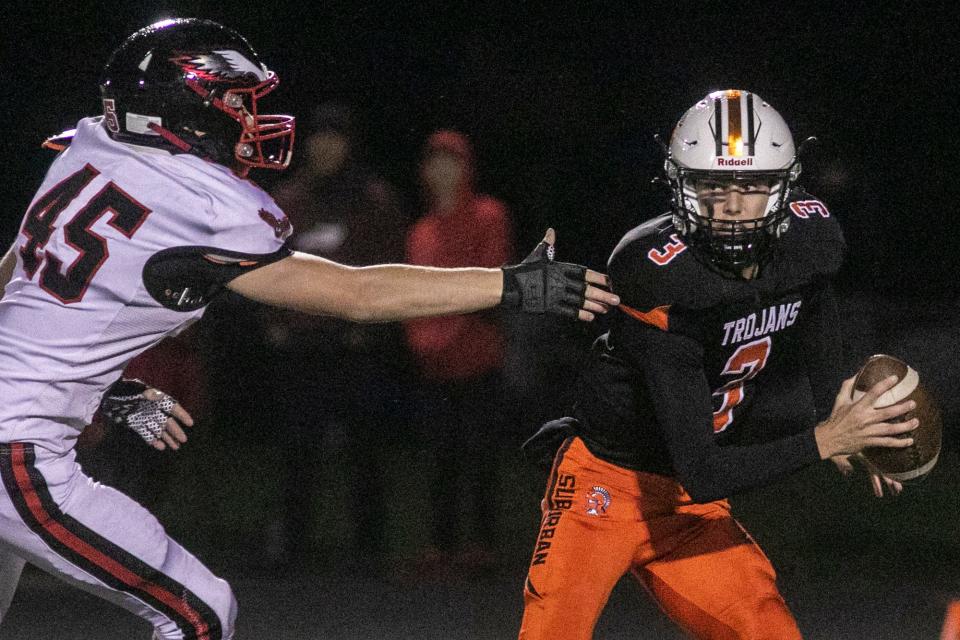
<point x="598" y="500"/>
<point x="222" y="65"/>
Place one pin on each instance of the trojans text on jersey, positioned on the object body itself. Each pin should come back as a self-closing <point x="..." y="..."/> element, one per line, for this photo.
<point x="753" y="325"/>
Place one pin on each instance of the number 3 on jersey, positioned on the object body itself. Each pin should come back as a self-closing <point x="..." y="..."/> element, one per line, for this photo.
<point x="662" y="257"/>
<point x="748" y="360"/>
<point x="126" y="217"/>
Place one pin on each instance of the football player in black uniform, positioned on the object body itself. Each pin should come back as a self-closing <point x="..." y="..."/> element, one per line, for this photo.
<point x="721" y="295"/>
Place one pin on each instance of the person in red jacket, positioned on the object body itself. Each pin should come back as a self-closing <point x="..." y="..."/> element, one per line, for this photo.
<point x="460" y="357"/>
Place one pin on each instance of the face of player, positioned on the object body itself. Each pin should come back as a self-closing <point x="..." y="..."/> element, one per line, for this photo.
<point x="734" y="200"/>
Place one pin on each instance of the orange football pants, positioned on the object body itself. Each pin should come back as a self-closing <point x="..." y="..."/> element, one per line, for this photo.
<point x="601" y="521"/>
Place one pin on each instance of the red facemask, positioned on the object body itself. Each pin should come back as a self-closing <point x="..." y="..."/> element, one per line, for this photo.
<point x="266" y="141"/>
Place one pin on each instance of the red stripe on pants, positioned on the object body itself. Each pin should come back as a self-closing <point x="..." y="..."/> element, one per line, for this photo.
<point x="113" y="567"/>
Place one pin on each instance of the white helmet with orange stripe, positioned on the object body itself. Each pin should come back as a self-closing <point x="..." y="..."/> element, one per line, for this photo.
<point x="728" y="138"/>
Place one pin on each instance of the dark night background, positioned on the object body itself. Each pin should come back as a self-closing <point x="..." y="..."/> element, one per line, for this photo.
<point x="561" y="101"/>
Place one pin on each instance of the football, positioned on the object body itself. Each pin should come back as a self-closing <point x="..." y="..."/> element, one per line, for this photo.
<point x="919" y="458"/>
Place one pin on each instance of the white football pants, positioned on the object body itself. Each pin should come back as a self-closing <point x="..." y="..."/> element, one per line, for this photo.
<point x="96" y="538"/>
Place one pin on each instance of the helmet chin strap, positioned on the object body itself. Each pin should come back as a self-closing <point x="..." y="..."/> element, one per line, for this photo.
<point x="183" y="145"/>
<point x="170" y="137"/>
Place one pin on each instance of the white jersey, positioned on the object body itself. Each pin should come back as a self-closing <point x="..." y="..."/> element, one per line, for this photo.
<point x="77" y="310"/>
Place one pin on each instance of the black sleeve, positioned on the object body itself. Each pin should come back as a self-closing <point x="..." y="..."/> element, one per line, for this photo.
<point x="672" y="372"/>
<point x="822" y="349"/>
<point x="187" y="278"/>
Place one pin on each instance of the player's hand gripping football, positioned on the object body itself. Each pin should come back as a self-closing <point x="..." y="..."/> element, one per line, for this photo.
<point x="856" y="425"/>
<point x="847" y="465"/>
<point x="540" y="285"/>
<point x="150" y="413"/>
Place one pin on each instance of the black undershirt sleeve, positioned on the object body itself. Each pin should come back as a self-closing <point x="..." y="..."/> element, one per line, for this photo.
<point x="822" y="350"/>
<point x="672" y="372"/>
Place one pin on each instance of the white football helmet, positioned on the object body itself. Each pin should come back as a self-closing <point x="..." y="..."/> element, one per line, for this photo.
<point x="731" y="135"/>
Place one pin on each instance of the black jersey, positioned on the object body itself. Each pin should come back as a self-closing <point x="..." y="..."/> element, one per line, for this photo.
<point x="669" y="386"/>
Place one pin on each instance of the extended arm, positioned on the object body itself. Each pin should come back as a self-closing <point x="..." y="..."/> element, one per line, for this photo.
<point x="385" y="293"/>
<point x="379" y="293"/>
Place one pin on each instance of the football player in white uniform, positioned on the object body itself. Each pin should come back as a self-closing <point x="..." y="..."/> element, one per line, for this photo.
<point x="139" y="222"/>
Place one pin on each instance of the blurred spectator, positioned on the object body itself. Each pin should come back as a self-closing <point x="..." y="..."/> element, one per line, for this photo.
<point x="339" y="208"/>
<point x="461" y="358"/>
<point x="336" y="378"/>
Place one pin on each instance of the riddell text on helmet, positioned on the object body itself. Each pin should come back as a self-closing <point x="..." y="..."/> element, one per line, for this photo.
<point x="734" y="162"/>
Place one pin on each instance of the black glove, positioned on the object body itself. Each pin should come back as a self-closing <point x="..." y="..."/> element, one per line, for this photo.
<point x="540" y="285"/>
<point x="124" y="404"/>
<point x="542" y="447"/>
